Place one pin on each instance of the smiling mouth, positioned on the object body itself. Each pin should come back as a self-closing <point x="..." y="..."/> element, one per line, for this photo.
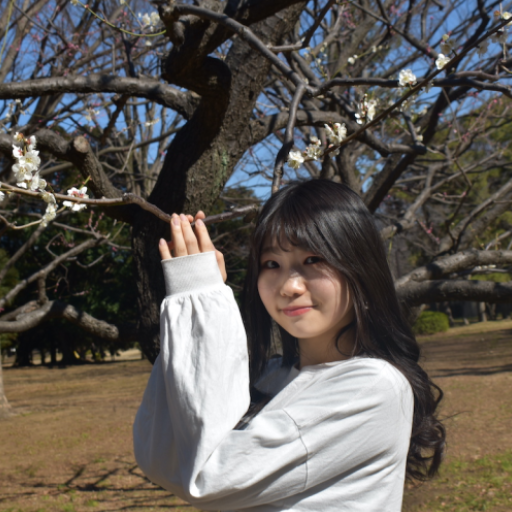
<point x="297" y="310"/>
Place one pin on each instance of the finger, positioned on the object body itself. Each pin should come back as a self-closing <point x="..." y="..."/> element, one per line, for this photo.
<point x="164" y="249"/>
<point x="222" y="265"/>
<point x="205" y="242"/>
<point x="189" y="236"/>
<point x="180" y="247"/>
<point x="200" y="215"/>
<point x="190" y="218"/>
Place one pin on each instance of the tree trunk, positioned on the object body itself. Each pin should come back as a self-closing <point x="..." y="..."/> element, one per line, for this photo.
<point x="5" y="408"/>
<point x="199" y="161"/>
<point x="482" y="315"/>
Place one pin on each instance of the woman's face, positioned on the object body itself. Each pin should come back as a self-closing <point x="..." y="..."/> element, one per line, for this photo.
<point x="303" y="294"/>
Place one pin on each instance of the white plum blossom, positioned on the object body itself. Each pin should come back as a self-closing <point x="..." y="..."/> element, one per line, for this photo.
<point x="31" y="160"/>
<point x="37" y="183"/>
<point x="50" y="213"/>
<point x="91" y="114"/>
<point x="2" y="196"/>
<point x="482" y="49"/>
<point x="370" y="109"/>
<point x="149" y="20"/>
<point x="31" y="143"/>
<point x="314" y="150"/>
<point x="17" y="152"/>
<point x="28" y="162"/>
<point x="336" y="134"/>
<point x="295" y="159"/>
<point x="406" y="77"/>
<point x="75" y="192"/>
<point x="21" y="173"/>
<point x="447" y="44"/>
<point x="155" y="18"/>
<point x="500" y="37"/>
<point x="441" y="61"/>
<point x="506" y="16"/>
<point x="48" y="197"/>
<point x="352" y="60"/>
<point x="366" y="110"/>
<point x="122" y="2"/>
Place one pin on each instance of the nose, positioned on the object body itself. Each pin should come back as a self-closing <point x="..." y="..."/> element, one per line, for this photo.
<point x="293" y="284"/>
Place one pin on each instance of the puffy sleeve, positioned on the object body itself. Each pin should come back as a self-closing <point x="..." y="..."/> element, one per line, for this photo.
<point x="184" y="437"/>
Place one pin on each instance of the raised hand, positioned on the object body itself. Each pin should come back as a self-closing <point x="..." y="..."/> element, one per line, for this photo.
<point x="185" y="242"/>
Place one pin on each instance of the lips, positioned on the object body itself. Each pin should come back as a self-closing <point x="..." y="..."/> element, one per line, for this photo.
<point x="296" y="310"/>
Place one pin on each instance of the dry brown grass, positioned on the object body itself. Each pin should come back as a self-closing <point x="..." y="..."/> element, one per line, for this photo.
<point x="69" y="448"/>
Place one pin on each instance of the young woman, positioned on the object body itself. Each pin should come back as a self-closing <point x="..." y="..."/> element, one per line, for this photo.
<point x="337" y="422"/>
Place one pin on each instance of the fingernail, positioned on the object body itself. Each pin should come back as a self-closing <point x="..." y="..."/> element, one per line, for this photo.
<point x="183" y="218"/>
<point x="175" y="220"/>
<point x="199" y="222"/>
<point x="161" y="241"/>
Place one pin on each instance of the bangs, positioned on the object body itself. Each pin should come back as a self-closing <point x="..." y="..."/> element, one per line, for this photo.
<point x="296" y="225"/>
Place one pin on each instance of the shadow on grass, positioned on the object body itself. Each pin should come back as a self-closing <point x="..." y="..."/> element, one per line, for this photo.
<point x="89" y="485"/>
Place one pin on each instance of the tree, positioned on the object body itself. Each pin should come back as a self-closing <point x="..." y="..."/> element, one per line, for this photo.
<point x="156" y="112"/>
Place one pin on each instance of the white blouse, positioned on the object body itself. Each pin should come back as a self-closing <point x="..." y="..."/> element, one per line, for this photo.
<point x="334" y="437"/>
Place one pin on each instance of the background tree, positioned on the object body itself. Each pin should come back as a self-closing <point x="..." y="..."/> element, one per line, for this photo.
<point x="158" y="111"/>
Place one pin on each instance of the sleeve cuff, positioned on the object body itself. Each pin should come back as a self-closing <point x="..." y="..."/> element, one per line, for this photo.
<point x="191" y="273"/>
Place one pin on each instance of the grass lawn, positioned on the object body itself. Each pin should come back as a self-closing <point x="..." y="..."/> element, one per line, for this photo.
<point x="69" y="448"/>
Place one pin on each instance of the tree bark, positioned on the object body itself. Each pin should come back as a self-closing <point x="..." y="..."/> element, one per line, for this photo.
<point x="5" y="407"/>
<point x="200" y="160"/>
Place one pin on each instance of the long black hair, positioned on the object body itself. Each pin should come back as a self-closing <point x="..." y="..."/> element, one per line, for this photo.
<point x="331" y="220"/>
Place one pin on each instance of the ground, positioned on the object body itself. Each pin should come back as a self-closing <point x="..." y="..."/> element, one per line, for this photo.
<point x="69" y="447"/>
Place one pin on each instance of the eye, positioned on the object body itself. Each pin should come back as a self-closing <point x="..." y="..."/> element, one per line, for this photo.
<point x="311" y="260"/>
<point x="270" y="264"/>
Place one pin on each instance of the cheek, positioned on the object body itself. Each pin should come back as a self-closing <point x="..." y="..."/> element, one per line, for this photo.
<point x="264" y="290"/>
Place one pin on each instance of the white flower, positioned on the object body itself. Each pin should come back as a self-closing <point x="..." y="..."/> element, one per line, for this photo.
<point x="122" y="2"/>
<point x="148" y="43"/>
<point x="447" y="45"/>
<point x="370" y="109"/>
<point x="75" y="2"/>
<point x="48" y="197"/>
<point x="374" y="49"/>
<point x="500" y="37"/>
<point x="441" y="61"/>
<point x="406" y="77"/>
<point x="145" y="20"/>
<point x="314" y="150"/>
<point x="76" y="207"/>
<point x="50" y="213"/>
<point x="21" y="172"/>
<point x="155" y="18"/>
<point x="336" y="135"/>
<point x="91" y="114"/>
<point x="506" y="16"/>
<point x="23" y="184"/>
<point x="2" y="196"/>
<point x="31" y="143"/>
<point x="19" y="137"/>
<point x="17" y="152"/>
<point x="352" y="60"/>
<point x="37" y="183"/>
<point x="366" y="110"/>
<point x="295" y="159"/>
<point x="31" y="160"/>
<point x="482" y="49"/>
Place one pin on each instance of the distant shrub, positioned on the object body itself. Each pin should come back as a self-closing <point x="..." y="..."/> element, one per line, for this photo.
<point x="430" y="322"/>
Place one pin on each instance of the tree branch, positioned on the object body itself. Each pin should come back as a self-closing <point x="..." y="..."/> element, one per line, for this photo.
<point x="58" y="309"/>
<point x="154" y="90"/>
